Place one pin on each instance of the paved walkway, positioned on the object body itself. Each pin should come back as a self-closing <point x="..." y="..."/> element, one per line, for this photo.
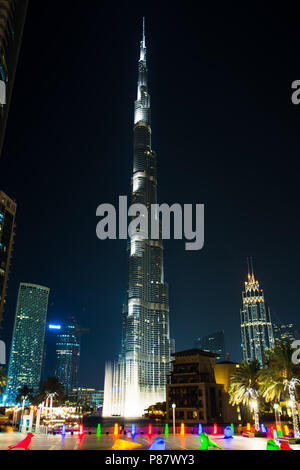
<point x="92" y="442"/>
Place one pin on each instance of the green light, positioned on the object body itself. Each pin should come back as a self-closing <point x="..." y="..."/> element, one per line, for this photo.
<point x="166" y="429"/>
<point x="99" y="430"/>
<point x="232" y="427"/>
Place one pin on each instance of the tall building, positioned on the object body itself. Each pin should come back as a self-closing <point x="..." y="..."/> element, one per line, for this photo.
<point x="285" y="333"/>
<point x="214" y="343"/>
<point x="8" y="209"/>
<point x="26" y="354"/>
<point x="139" y="379"/>
<point x="12" y="19"/>
<point x="68" y="355"/>
<point x="256" y="324"/>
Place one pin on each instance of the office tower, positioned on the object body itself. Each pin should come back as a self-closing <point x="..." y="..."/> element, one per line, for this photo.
<point x="8" y="209"/>
<point x="68" y="355"/>
<point x="26" y="354"/>
<point x="256" y="324"/>
<point x="285" y="332"/>
<point x="140" y="376"/>
<point x="12" y="19"/>
<point x="214" y="343"/>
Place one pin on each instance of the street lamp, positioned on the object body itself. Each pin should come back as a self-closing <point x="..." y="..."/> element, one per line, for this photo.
<point x="174" y="429"/>
<point x="277" y="416"/>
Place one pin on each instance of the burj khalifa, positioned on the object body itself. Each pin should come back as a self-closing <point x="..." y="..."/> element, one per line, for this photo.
<point x="138" y="379"/>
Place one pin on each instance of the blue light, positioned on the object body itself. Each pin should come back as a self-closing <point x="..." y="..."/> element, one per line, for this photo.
<point x="263" y="428"/>
<point x="158" y="444"/>
<point x="200" y="429"/>
<point x="228" y="432"/>
<point x="54" y="327"/>
<point x="133" y="430"/>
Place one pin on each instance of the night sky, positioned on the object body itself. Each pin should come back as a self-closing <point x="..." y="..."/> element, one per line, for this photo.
<point x="226" y="134"/>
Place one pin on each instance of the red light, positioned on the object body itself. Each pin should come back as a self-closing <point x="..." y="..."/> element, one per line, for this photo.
<point x="150" y="429"/>
<point x="81" y="429"/>
<point x="215" y="429"/>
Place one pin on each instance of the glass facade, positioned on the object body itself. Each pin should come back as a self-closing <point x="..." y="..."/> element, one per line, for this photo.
<point x="68" y="355"/>
<point x="28" y="340"/>
<point x="214" y="343"/>
<point x="12" y="19"/>
<point x="8" y="209"/>
<point x="256" y="324"/>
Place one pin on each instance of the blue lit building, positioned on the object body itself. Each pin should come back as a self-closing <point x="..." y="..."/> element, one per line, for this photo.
<point x="68" y="355"/>
<point x="26" y="354"/>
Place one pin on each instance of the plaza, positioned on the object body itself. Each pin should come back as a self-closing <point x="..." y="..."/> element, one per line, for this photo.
<point x="105" y="442"/>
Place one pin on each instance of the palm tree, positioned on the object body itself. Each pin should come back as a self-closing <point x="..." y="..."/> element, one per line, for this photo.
<point x="281" y="378"/>
<point x="24" y="394"/>
<point x="244" y="387"/>
<point x="51" y="387"/>
<point x="3" y="379"/>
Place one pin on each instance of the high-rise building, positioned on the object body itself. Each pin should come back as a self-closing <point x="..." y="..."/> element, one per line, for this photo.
<point x="68" y="355"/>
<point x="12" y="19"/>
<point x="256" y="324"/>
<point x="8" y="209"/>
<point x="139" y="379"/>
<point x="285" y="332"/>
<point x="26" y="354"/>
<point x="214" y="343"/>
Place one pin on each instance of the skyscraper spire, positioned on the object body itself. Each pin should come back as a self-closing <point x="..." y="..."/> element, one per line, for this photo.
<point x="144" y="34"/>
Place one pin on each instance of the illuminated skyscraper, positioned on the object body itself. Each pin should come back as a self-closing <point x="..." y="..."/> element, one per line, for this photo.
<point x="256" y="324"/>
<point x="8" y="209"/>
<point x="12" y="19"/>
<point x="26" y="354"/>
<point x="68" y="355"/>
<point x="139" y="379"/>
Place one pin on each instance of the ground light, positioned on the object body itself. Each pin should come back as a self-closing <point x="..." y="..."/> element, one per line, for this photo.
<point x="232" y="428"/>
<point x="279" y="431"/>
<point x="166" y="429"/>
<point x="99" y="430"/>
<point x="200" y="429"/>
<point x="150" y="429"/>
<point x="248" y="427"/>
<point x="286" y="430"/>
<point x="215" y="429"/>
<point x="182" y="429"/>
<point x="133" y="432"/>
<point x="263" y="428"/>
<point x="228" y="432"/>
<point x="116" y="429"/>
<point x="81" y="429"/>
<point x="63" y="432"/>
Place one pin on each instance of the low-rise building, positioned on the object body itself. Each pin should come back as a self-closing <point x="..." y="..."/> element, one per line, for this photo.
<point x="193" y="388"/>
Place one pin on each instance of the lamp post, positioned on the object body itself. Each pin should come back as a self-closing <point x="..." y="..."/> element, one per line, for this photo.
<point x="174" y="428"/>
<point x="277" y="416"/>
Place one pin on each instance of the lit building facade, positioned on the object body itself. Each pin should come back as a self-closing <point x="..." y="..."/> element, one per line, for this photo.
<point x="139" y="378"/>
<point x="194" y="389"/>
<point x="26" y="355"/>
<point x="8" y="209"/>
<point x="214" y="343"/>
<point x="89" y="397"/>
<point x="12" y="19"/>
<point x="285" y="332"/>
<point x="68" y="355"/>
<point x="256" y="324"/>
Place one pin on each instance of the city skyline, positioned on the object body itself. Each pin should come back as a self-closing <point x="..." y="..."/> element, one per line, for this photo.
<point x="91" y="283"/>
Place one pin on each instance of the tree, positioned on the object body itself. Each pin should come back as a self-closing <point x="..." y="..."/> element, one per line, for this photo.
<point x="244" y="387"/>
<point x="24" y="394"/>
<point x="3" y="379"/>
<point x="53" y="387"/>
<point x="159" y="410"/>
<point x="281" y="378"/>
